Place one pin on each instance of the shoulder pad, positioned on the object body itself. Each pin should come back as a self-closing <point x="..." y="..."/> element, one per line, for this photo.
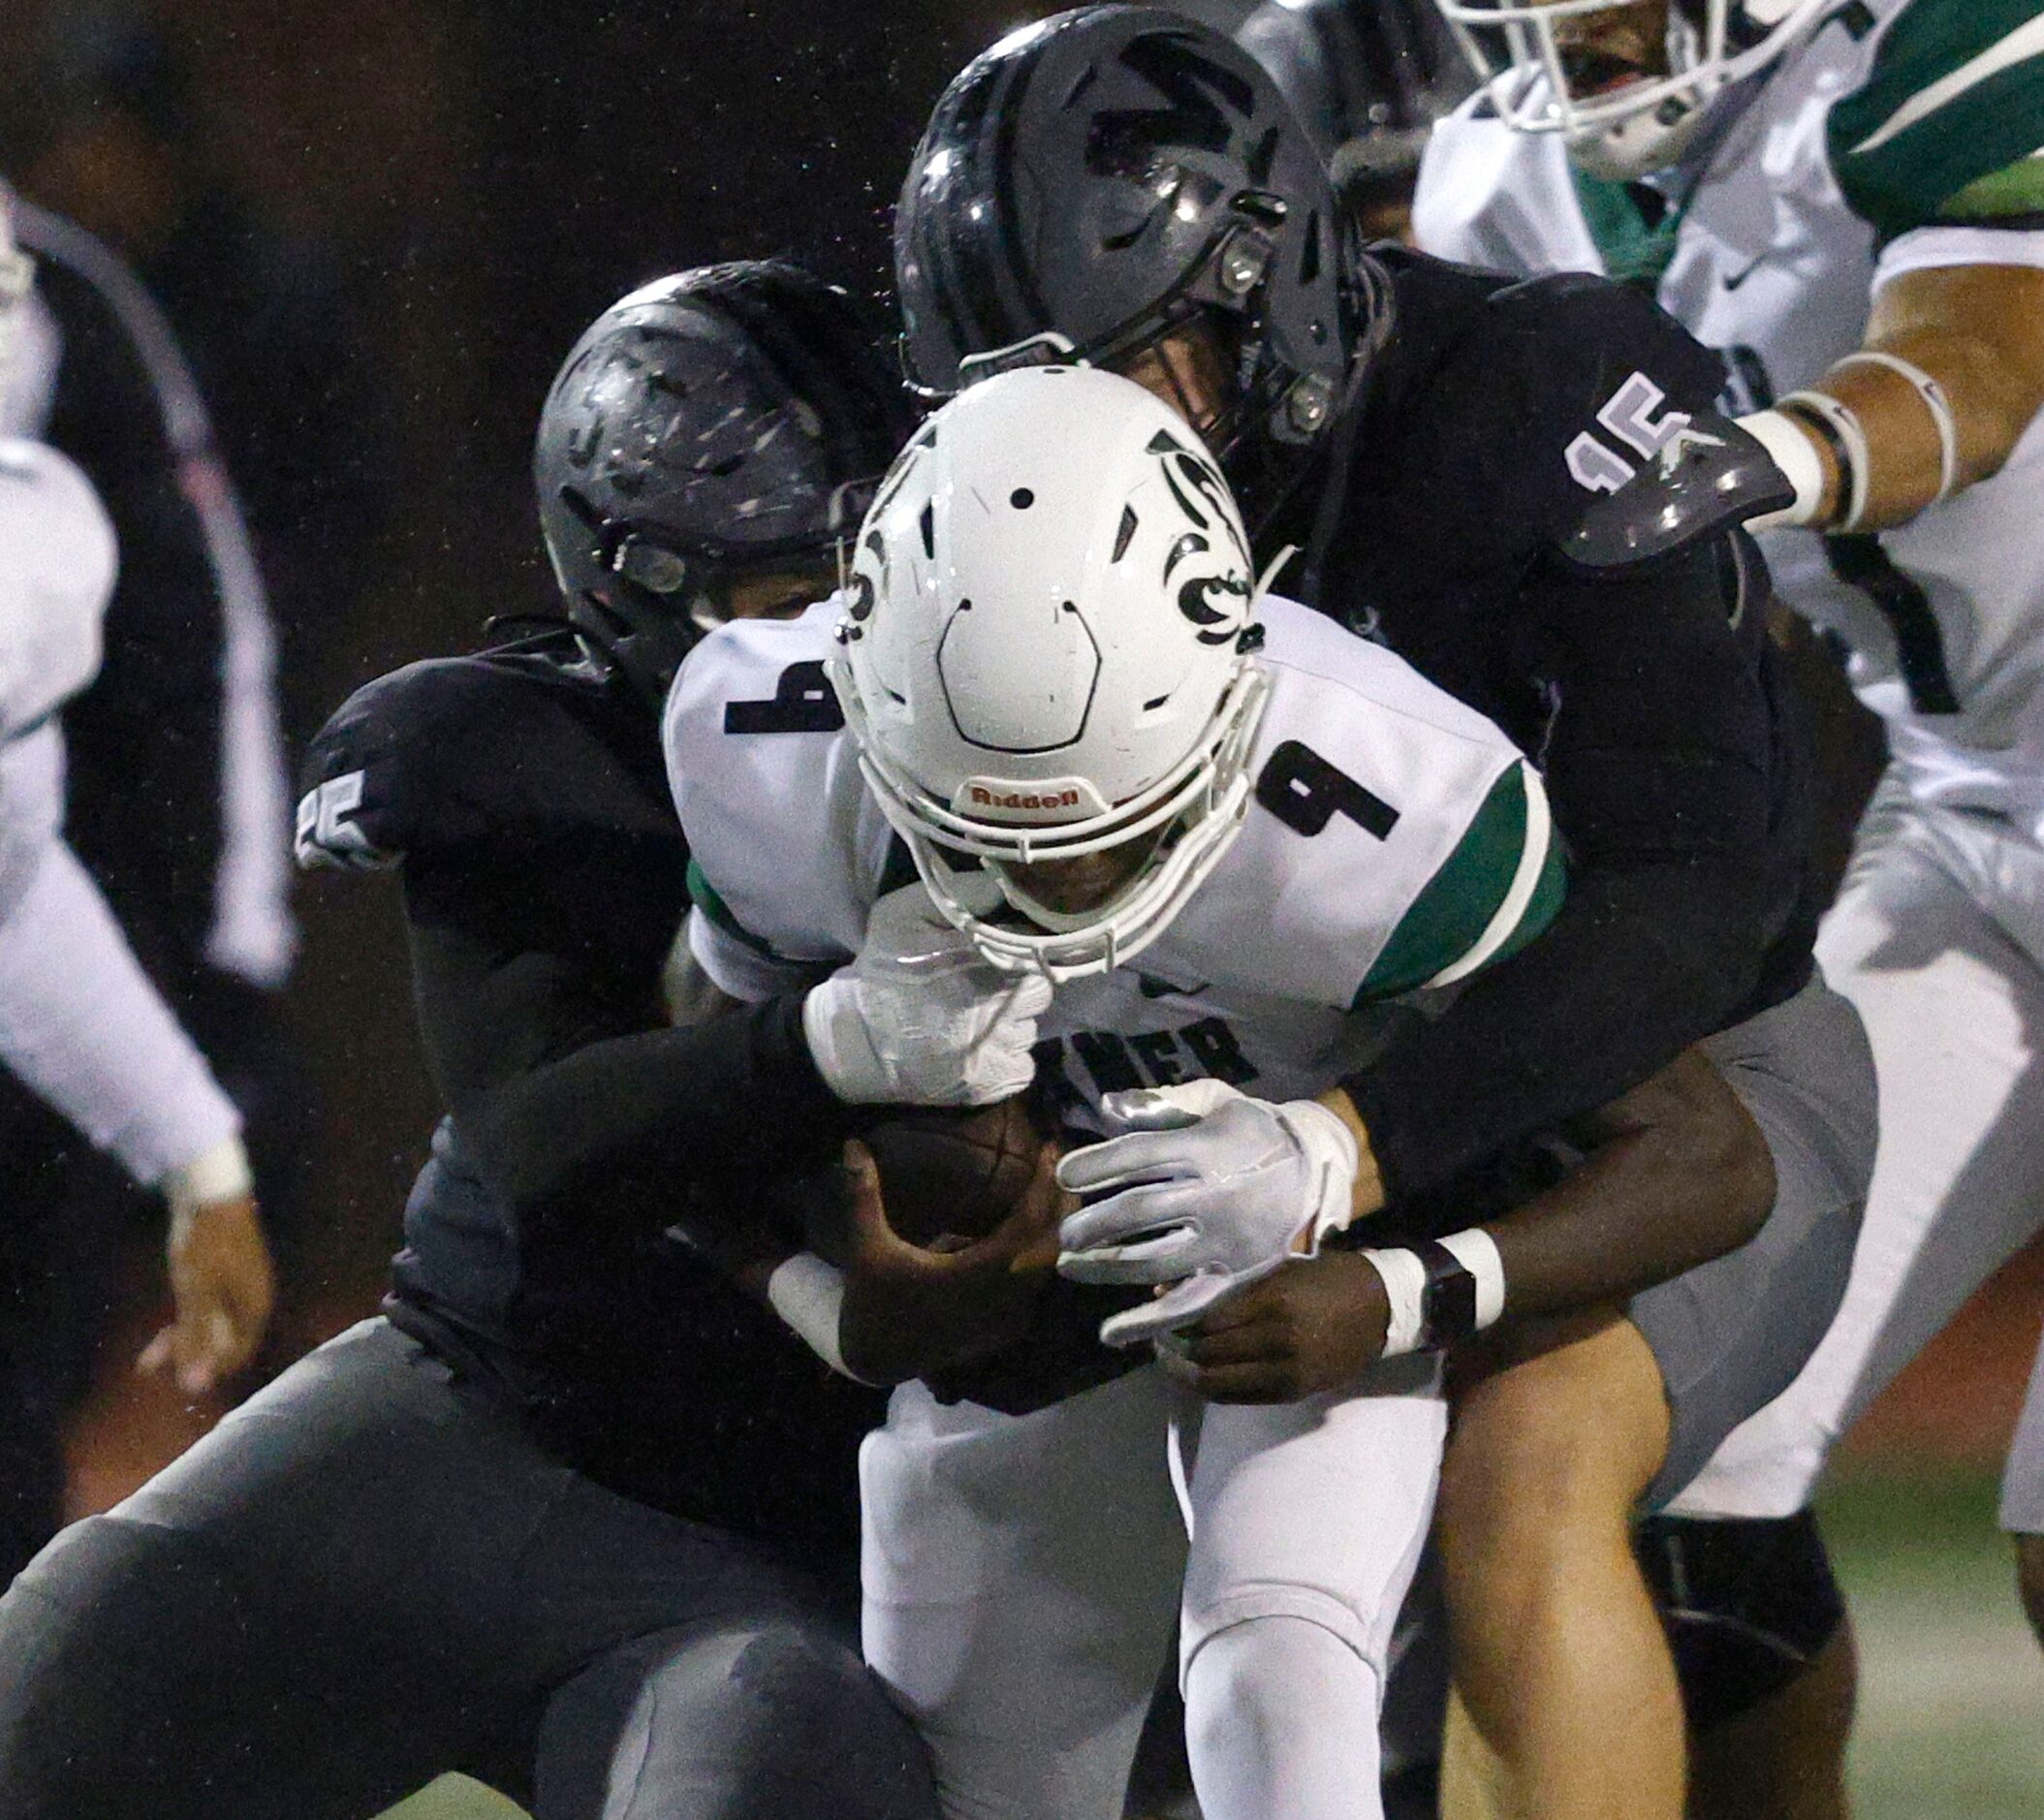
<point x="1708" y="476"/>
<point x="458" y="749"/>
<point x="361" y="787"/>
<point x="1553" y="391"/>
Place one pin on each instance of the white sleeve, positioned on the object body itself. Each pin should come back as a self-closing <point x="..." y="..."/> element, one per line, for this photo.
<point x="57" y="571"/>
<point x="83" y="1027"/>
<point x="742" y="972"/>
<point x="1926" y="249"/>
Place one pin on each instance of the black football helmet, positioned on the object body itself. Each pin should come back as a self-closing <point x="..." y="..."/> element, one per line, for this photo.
<point x="1099" y="179"/>
<point x="1367" y="79"/>
<point x="724" y="421"/>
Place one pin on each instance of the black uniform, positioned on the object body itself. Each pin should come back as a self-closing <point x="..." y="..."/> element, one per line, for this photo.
<point x="549" y="1511"/>
<point x="1674" y="749"/>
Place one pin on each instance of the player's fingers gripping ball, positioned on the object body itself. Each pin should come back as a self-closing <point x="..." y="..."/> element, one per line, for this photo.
<point x="1203" y="1188"/>
<point x="948" y="1175"/>
<point x="921" y="1016"/>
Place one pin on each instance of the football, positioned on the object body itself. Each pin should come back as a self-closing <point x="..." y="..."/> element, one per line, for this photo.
<point x="954" y="1173"/>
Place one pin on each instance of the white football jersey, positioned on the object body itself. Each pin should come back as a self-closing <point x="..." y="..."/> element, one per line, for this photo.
<point x="1398" y="842"/>
<point x="1897" y="135"/>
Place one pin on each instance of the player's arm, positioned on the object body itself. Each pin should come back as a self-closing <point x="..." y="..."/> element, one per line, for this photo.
<point x="1672" y="1174"/>
<point x="1661" y="768"/>
<point x="1950" y="375"/>
<point x="574" y="1099"/>
<point x="1939" y="151"/>
<point x="83" y="1027"/>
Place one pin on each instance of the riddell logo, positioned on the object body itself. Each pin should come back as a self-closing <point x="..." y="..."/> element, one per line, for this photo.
<point x="982" y="797"/>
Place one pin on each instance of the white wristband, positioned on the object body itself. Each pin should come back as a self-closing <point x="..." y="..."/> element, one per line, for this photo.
<point x="220" y="1172"/>
<point x="1791" y="449"/>
<point x="809" y="1295"/>
<point x="1934" y="401"/>
<point x="1405" y="1279"/>
<point x="1854" y="457"/>
<point x="1476" y="1251"/>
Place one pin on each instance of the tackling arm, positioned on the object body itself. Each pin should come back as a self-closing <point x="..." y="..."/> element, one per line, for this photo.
<point x="1675" y="1174"/>
<point x="1665" y="768"/>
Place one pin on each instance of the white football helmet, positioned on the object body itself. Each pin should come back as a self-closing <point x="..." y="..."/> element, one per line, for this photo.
<point x="1046" y="653"/>
<point x="1642" y="125"/>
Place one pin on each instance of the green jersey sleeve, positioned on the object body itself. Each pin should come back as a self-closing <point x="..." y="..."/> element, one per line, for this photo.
<point x="1498" y="889"/>
<point x="1949" y="121"/>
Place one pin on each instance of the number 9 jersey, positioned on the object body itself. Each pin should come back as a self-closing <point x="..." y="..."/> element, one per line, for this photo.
<point x="1397" y="843"/>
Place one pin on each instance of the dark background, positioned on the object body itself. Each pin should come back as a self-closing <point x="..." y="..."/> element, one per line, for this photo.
<point x="476" y="182"/>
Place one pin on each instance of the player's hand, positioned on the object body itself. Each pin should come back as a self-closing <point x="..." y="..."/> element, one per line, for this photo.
<point x="921" y="1016"/>
<point x="1206" y="1189"/>
<point x="1316" y="1325"/>
<point x="224" y="1287"/>
<point x="910" y="1311"/>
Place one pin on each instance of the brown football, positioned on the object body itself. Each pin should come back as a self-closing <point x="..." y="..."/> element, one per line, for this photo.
<point x="954" y="1172"/>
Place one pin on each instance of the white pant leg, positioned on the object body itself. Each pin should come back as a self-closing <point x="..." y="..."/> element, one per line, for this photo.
<point x="1020" y="1577"/>
<point x="1307" y="1522"/>
<point x="1954" y="1010"/>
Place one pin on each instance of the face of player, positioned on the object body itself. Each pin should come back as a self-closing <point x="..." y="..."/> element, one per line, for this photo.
<point x="1188" y="369"/>
<point x="780" y="594"/>
<point x="1608" y="50"/>
<point x="1088" y="880"/>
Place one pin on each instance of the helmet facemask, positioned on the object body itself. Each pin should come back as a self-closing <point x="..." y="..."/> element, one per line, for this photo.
<point x="1621" y="117"/>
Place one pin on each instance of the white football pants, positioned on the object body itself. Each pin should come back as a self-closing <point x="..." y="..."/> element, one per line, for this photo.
<point x="1021" y="1576"/>
<point x="1938" y="938"/>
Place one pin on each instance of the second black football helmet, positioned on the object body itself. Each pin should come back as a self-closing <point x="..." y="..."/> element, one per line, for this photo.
<point x="1094" y="181"/>
<point x="727" y="420"/>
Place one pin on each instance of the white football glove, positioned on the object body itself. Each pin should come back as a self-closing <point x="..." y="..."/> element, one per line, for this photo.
<point x="921" y="1017"/>
<point x="1211" y="1190"/>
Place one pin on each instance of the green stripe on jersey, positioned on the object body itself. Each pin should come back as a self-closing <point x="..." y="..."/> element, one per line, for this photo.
<point x="1454" y="913"/>
<point x="2016" y="192"/>
<point x="1956" y="94"/>
<point x="704" y="895"/>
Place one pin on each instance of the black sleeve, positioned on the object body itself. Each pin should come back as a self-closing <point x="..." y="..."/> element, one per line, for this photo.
<point x="568" y="1091"/>
<point x="1676" y="786"/>
<point x="1548" y="395"/>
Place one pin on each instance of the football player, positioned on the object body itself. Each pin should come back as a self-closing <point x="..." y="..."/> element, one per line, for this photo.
<point x="1120" y="187"/>
<point x="1368" y="83"/>
<point x="1849" y="202"/>
<point x="548" y="1519"/>
<point x="1232" y="836"/>
<point x="80" y="1025"/>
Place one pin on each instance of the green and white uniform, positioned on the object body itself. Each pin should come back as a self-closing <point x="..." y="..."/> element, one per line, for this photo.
<point x="1895" y="136"/>
<point x="1022" y="1573"/>
<point x="1430" y="855"/>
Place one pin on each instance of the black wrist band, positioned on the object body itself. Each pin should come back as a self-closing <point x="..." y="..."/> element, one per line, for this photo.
<point x="1448" y="1304"/>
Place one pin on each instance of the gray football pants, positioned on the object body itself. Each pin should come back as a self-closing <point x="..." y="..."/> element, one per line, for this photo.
<point x="369" y="1575"/>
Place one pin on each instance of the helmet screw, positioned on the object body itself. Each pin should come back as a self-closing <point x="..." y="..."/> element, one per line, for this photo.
<point x="1306" y="404"/>
<point x="1243" y="263"/>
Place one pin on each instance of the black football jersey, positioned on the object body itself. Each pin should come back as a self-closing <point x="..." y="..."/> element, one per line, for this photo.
<point x="522" y="795"/>
<point x="1675" y="757"/>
